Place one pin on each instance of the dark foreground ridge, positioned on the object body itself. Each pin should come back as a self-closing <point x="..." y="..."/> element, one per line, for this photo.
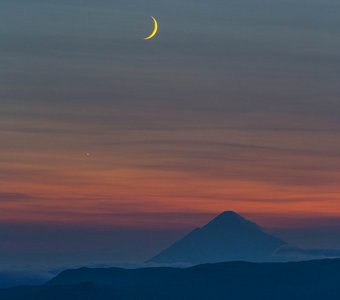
<point x="228" y="237"/>
<point x="233" y="281"/>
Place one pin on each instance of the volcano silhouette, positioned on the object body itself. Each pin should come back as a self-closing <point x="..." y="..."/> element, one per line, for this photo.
<point x="228" y="237"/>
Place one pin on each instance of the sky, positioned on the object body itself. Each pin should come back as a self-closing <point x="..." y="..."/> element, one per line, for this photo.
<point x="112" y="147"/>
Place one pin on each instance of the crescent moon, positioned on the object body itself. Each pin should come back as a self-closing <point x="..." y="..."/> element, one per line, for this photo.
<point x="155" y="30"/>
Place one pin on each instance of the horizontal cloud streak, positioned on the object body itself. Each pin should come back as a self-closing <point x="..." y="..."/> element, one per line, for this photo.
<point x="13" y="197"/>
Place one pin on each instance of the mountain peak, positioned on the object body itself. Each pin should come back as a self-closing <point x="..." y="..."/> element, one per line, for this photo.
<point x="230" y="221"/>
<point x="227" y="216"/>
<point x="227" y="237"/>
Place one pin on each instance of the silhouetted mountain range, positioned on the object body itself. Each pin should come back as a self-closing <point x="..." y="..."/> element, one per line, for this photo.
<point x="312" y="280"/>
<point x="228" y="237"/>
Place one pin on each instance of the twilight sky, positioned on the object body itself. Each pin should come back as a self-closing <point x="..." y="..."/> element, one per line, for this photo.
<point x="108" y="142"/>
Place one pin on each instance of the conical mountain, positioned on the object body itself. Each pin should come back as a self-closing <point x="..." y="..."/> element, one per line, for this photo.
<point x="228" y="237"/>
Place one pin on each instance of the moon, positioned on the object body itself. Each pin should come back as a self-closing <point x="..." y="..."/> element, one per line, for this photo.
<point x="155" y="30"/>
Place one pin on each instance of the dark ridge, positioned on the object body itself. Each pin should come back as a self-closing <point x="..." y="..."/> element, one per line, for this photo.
<point x="307" y="280"/>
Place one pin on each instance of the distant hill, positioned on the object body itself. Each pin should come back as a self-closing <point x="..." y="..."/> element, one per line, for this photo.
<point x="228" y="237"/>
<point x="312" y="280"/>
